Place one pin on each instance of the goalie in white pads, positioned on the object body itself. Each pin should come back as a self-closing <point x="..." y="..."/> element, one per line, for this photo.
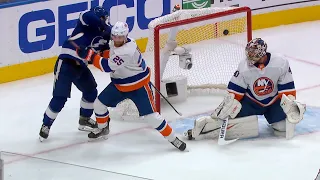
<point x="262" y="85"/>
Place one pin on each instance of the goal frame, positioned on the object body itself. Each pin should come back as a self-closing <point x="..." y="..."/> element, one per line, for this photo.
<point x="189" y="21"/>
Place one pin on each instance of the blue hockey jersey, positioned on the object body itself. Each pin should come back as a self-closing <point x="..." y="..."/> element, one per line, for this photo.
<point x="90" y="31"/>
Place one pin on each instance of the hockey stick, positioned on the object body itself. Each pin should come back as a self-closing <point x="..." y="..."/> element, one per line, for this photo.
<point x="222" y="133"/>
<point x="165" y="99"/>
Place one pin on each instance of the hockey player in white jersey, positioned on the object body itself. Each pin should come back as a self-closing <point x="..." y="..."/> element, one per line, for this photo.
<point x="262" y="85"/>
<point x="130" y="79"/>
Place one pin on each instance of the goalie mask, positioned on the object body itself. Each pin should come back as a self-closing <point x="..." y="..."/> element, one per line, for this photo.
<point x="255" y="50"/>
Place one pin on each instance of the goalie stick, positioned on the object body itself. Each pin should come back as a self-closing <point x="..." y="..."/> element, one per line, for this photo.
<point x="222" y="134"/>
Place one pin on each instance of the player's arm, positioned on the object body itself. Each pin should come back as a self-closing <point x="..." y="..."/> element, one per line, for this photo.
<point x="104" y="63"/>
<point x="109" y="64"/>
<point x="286" y="84"/>
<point x="286" y="89"/>
<point x="237" y="85"/>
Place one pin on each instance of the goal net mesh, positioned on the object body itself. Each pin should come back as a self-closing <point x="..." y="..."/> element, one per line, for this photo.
<point x="216" y="37"/>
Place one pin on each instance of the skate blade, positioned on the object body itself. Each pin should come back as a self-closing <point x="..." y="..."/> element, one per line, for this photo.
<point x="41" y="139"/>
<point x="85" y="128"/>
<point x="102" y="138"/>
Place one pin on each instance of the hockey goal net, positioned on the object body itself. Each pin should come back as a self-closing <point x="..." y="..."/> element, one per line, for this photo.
<point x="216" y="37"/>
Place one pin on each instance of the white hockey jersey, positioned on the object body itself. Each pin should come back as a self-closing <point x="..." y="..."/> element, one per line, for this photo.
<point x="128" y="70"/>
<point x="263" y="84"/>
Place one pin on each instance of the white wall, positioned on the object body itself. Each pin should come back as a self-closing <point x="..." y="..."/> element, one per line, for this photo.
<point x="36" y="31"/>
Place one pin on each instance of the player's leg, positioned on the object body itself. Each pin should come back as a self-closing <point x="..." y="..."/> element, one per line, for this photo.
<point x="88" y="86"/>
<point x="109" y="97"/>
<point x="143" y="99"/>
<point x="244" y="125"/>
<point x="276" y="118"/>
<point x="63" y="77"/>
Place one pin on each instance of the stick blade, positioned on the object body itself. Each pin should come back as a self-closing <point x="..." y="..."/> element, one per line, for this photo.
<point x="222" y="142"/>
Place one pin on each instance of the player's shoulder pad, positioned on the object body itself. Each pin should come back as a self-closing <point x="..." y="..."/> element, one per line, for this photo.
<point x="243" y="66"/>
<point x="279" y="60"/>
<point x="128" y="49"/>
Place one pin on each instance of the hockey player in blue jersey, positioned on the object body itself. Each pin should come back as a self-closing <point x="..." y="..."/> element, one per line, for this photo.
<point x="92" y="30"/>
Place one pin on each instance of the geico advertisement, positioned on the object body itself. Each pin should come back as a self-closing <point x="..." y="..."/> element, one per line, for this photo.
<point x="38" y="30"/>
<point x="265" y="5"/>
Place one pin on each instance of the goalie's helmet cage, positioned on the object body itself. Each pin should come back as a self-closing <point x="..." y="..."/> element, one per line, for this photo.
<point x="217" y="38"/>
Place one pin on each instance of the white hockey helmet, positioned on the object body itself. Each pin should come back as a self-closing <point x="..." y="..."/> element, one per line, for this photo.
<point x="120" y="29"/>
<point x="255" y="50"/>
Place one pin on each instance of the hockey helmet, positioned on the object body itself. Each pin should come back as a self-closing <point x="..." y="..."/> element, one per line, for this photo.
<point x="255" y="50"/>
<point x="120" y="29"/>
<point x="101" y="12"/>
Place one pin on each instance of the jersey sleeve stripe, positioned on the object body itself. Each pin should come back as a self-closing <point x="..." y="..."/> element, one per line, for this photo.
<point x="140" y="59"/>
<point x="234" y="87"/>
<point x="101" y="63"/>
<point x="237" y="96"/>
<point x="287" y="86"/>
<point x="289" y="92"/>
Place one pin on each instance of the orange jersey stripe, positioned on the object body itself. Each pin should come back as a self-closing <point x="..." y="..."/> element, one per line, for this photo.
<point x="261" y="104"/>
<point x="133" y="86"/>
<point x="150" y="96"/>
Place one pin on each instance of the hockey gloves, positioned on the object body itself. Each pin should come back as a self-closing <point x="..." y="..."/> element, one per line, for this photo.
<point x="86" y="53"/>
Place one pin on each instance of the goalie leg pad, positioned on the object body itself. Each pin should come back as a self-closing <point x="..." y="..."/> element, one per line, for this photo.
<point x="208" y="128"/>
<point x="279" y="128"/>
<point x="244" y="127"/>
<point x="284" y="128"/>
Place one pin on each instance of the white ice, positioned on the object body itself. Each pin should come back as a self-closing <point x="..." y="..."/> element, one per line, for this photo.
<point x="135" y="149"/>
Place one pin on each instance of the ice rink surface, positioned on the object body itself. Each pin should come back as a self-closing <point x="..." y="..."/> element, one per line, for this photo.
<point x="142" y="153"/>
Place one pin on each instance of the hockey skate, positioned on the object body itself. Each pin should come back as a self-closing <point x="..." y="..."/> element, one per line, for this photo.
<point x="44" y="132"/>
<point x="98" y="133"/>
<point x="179" y="144"/>
<point x="87" y="124"/>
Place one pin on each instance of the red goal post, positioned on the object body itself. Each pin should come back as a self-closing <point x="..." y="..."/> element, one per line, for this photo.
<point x="156" y="34"/>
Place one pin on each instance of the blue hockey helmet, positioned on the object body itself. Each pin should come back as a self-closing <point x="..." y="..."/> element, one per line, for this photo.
<point x="101" y="12"/>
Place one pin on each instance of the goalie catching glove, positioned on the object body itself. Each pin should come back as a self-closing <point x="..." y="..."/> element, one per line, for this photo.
<point x="293" y="109"/>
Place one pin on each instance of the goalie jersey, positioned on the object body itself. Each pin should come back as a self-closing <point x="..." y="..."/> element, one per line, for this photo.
<point x="128" y="70"/>
<point x="263" y="83"/>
